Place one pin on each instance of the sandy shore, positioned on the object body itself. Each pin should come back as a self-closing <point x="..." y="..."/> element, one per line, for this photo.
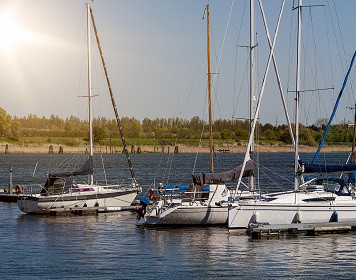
<point x="44" y="149"/>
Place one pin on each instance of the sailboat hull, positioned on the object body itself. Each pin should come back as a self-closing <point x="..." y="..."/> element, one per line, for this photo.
<point x="211" y="210"/>
<point x="41" y="205"/>
<point x="242" y="215"/>
<point x="189" y="215"/>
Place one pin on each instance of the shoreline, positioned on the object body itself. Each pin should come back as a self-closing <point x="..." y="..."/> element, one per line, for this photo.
<point x="7" y="148"/>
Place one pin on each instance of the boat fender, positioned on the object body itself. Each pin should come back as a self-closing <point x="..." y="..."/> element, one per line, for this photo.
<point x="334" y="217"/>
<point x="219" y="203"/>
<point x="18" y="189"/>
<point x="152" y="194"/>
<point x="298" y="217"/>
<point x="96" y="204"/>
<point x="255" y="218"/>
<point x="85" y="205"/>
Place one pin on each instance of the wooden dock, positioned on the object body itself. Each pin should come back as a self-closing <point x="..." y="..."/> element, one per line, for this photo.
<point x="224" y="151"/>
<point x="7" y="197"/>
<point x="259" y="231"/>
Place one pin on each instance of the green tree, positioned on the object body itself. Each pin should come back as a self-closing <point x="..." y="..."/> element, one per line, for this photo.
<point x="242" y="134"/>
<point x="99" y="134"/>
<point x="5" y="122"/>
<point x="226" y="134"/>
<point x="15" y="129"/>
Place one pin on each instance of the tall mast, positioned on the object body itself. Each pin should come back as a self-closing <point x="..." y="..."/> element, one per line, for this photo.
<point x="89" y="92"/>
<point x="297" y="91"/>
<point x="209" y="98"/>
<point x="354" y="139"/>
<point x="252" y="80"/>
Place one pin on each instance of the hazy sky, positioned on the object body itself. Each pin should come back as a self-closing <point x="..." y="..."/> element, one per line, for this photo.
<point x="156" y="57"/>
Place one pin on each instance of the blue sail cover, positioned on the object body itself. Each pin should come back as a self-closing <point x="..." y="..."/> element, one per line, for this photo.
<point x="327" y="168"/>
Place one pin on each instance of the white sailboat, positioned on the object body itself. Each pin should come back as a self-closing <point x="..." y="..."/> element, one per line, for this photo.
<point x="205" y="201"/>
<point x="314" y="201"/>
<point x="61" y="190"/>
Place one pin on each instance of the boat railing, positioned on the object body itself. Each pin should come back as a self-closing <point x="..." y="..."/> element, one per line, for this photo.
<point x="31" y="190"/>
<point x="169" y="195"/>
<point x="113" y="184"/>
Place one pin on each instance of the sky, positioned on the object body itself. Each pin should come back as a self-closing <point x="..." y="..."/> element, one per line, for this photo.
<point x="156" y="57"/>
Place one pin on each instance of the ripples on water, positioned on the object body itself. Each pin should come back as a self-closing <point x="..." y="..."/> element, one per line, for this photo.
<point x="110" y="246"/>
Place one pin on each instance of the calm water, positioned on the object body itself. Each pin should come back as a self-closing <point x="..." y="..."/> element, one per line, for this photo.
<point x="110" y="246"/>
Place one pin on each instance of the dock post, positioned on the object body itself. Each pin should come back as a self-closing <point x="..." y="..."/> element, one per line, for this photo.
<point x="132" y="149"/>
<point x="10" y="181"/>
<point x="176" y="150"/>
<point x="60" y="150"/>
<point x="139" y="150"/>
<point x="6" y="149"/>
<point x="50" y="149"/>
<point x="162" y="149"/>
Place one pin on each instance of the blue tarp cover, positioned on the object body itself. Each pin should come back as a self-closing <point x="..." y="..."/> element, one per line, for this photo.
<point x="144" y="200"/>
<point x="327" y="168"/>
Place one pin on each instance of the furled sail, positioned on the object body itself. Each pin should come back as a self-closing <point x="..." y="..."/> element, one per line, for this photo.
<point x="327" y="168"/>
<point x="223" y="177"/>
<point x="86" y="169"/>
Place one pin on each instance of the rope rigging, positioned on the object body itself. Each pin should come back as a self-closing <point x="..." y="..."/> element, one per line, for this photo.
<point x="118" y="121"/>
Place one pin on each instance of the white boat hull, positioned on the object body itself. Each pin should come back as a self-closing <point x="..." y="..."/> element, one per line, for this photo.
<point x="41" y="205"/>
<point x="189" y="215"/>
<point x="211" y="210"/>
<point x="242" y="215"/>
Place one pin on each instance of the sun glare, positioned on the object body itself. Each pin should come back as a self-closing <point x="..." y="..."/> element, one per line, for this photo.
<point x="11" y="32"/>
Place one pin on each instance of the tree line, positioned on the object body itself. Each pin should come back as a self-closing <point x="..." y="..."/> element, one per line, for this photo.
<point x="162" y="128"/>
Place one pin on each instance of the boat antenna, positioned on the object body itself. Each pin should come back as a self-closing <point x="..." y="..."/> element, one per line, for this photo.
<point x="91" y="179"/>
<point x="209" y="94"/>
<point x="118" y="121"/>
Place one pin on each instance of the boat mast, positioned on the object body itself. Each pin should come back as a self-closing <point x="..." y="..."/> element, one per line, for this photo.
<point x="209" y="96"/>
<point x="89" y="93"/>
<point x="297" y="91"/>
<point x="252" y="81"/>
<point x="118" y="121"/>
<point x="354" y="139"/>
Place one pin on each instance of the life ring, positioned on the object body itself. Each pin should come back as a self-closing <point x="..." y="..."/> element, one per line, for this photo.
<point x="18" y="189"/>
<point x="152" y="194"/>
